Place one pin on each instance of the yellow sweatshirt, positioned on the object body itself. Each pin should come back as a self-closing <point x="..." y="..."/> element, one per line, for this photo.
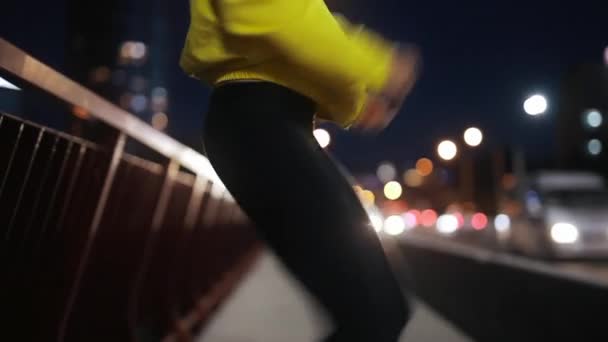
<point x="298" y="44"/>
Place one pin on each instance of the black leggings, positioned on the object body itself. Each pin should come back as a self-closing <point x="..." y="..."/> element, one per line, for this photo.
<point x="258" y="137"/>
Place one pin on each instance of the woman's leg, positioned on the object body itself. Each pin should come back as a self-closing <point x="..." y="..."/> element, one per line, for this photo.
<point x="258" y="137"/>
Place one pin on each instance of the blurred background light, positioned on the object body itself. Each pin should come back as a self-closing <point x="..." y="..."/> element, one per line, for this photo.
<point x="473" y="136"/>
<point x="479" y="221"/>
<point x="428" y="218"/>
<point x="80" y="112"/>
<point x="412" y="178"/>
<point x="593" y="118"/>
<point x="410" y="219"/>
<point x="416" y="214"/>
<point x="368" y="197"/>
<point x="138" y="50"/>
<point x="322" y="136"/>
<point x="101" y="74"/>
<point x="394" y="225"/>
<point x="424" y="167"/>
<point x="533" y="204"/>
<point x="502" y="223"/>
<point x="447" y="224"/>
<point x="160" y="121"/>
<point x="393" y="190"/>
<point x="447" y="150"/>
<point x="376" y="221"/>
<point x="139" y="103"/>
<point x="564" y="233"/>
<point x="460" y="218"/>
<point x="535" y="105"/>
<point x="594" y="147"/>
<point x="386" y="172"/>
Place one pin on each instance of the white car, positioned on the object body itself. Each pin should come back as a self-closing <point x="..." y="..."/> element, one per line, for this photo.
<point x="565" y="216"/>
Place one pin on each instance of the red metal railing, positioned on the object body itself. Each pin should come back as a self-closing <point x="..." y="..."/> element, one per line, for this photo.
<point x="101" y="245"/>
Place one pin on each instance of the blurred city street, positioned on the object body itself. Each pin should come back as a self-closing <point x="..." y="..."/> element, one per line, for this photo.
<point x="135" y="184"/>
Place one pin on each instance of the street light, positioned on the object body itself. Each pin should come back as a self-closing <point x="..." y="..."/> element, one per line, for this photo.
<point x="322" y="136"/>
<point x="473" y="136"/>
<point x="535" y="105"/>
<point x="447" y="150"/>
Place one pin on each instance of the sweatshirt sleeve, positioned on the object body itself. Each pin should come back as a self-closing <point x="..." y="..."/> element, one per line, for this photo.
<point x="309" y="36"/>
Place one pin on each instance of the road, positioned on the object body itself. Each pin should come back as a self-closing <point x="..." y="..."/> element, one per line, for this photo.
<point x="595" y="270"/>
<point x="270" y="306"/>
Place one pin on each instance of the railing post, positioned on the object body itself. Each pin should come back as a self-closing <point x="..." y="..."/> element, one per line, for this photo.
<point x="99" y="210"/>
<point x="157" y="221"/>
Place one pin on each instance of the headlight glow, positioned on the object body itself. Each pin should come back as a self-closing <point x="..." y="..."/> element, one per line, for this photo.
<point x="564" y="233"/>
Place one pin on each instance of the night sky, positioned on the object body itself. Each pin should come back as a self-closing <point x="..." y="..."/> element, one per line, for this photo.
<point x="481" y="60"/>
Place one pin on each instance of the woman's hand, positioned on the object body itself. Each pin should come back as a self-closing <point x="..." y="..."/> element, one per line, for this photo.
<point x="381" y="109"/>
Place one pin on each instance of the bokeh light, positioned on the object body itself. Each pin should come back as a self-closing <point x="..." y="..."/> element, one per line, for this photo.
<point x="132" y="51"/>
<point x="139" y="103"/>
<point x="386" y="172"/>
<point x="594" y="147"/>
<point x="160" y="121"/>
<point x="473" y="136"/>
<point x="322" y="136"/>
<point x="593" y="118"/>
<point x="564" y="232"/>
<point x="424" y="167"/>
<point x="447" y="224"/>
<point x="393" y="190"/>
<point x="447" y="150"/>
<point x="159" y="99"/>
<point x="412" y="178"/>
<point x="138" y="50"/>
<point x="394" y="225"/>
<point x="101" y="74"/>
<point x="368" y="197"/>
<point x="428" y="217"/>
<point x="376" y="221"/>
<point x="80" y="112"/>
<point x="502" y="223"/>
<point x="410" y="219"/>
<point x="479" y="221"/>
<point x="535" y="105"/>
<point x="460" y="218"/>
<point x="417" y="214"/>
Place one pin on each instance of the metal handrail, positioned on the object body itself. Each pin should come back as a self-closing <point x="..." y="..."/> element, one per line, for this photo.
<point x="26" y="67"/>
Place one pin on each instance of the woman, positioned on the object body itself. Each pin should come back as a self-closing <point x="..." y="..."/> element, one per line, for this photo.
<point x="275" y="66"/>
